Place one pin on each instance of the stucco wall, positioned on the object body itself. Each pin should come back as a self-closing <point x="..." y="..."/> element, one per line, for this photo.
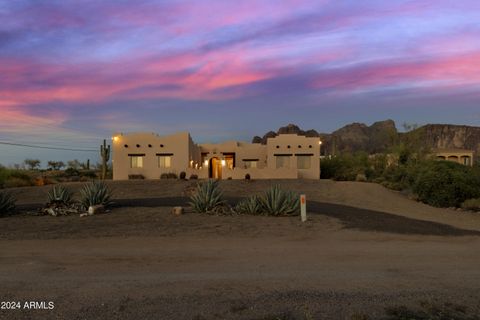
<point x="187" y="156"/>
<point x="294" y="145"/>
<point x="150" y="144"/>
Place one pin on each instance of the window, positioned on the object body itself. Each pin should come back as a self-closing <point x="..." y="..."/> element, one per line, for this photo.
<point x="165" y="161"/>
<point x="250" y="164"/>
<point x="282" y="161"/>
<point x="304" y="161"/>
<point x="136" y="161"/>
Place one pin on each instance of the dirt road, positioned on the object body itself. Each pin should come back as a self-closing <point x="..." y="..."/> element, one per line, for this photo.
<point x="279" y="267"/>
<point x="144" y="263"/>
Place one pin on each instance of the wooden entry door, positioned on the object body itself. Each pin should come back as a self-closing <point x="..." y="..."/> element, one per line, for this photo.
<point x="215" y="169"/>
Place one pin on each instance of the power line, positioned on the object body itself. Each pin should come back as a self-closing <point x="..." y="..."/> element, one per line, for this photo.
<point x="44" y="147"/>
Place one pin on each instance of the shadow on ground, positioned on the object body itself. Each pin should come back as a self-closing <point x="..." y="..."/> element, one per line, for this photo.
<point x="350" y="217"/>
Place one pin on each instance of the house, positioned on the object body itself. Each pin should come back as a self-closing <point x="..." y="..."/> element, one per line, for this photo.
<point x="461" y="156"/>
<point x="149" y="155"/>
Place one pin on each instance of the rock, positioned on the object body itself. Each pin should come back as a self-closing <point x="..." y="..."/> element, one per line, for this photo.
<point x="84" y="214"/>
<point x="177" y="211"/>
<point x="96" y="209"/>
<point x="257" y="139"/>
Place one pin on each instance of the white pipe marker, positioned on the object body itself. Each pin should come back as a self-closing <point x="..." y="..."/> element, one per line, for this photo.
<point x="303" y="207"/>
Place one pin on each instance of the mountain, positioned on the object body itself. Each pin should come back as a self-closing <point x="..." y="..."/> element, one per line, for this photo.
<point x="382" y="135"/>
<point x="448" y="136"/>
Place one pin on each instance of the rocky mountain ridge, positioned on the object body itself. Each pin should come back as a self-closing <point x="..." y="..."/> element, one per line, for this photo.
<point x="382" y="135"/>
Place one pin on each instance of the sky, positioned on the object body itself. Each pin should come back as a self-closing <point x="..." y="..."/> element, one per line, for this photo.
<point x="74" y="72"/>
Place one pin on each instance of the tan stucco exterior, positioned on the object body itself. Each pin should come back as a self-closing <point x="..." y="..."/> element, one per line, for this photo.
<point x="287" y="156"/>
<point x="461" y="156"/>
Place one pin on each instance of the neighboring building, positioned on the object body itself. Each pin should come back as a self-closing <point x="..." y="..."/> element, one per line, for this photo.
<point x="287" y="156"/>
<point x="461" y="156"/>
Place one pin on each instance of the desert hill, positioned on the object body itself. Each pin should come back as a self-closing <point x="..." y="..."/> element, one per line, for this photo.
<point x="382" y="135"/>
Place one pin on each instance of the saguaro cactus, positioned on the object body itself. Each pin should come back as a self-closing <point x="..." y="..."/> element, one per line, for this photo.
<point x="105" y="154"/>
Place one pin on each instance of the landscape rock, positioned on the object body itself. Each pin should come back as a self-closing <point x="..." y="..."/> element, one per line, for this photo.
<point x="96" y="209"/>
<point x="177" y="211"/>
<point x="56" y="208"/>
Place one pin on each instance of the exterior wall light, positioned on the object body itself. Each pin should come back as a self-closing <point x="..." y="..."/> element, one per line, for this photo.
<point x="115" y="139"/>
<point x="206" y="163"/>
<point x="224" y="163"/>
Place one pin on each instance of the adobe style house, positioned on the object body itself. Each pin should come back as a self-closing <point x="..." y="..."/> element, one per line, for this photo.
<point x="461" y="156"/>
<point x="287" y="156"/>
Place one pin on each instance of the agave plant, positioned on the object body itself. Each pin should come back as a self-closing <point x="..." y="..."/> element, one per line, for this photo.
<point x="250" y="205"/>
<point x="207" y="197"/>
<point x="279" y="202"/>
<point x="7" y="203"/>
<point x="95" y="193"/>
<point x="59" y="194"/>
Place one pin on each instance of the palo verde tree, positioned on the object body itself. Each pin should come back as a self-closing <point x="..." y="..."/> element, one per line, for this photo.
<point x="74" y="164"/>
<point x="32" y="164"/>
<point x="56" y="165"/>
<point x="105" y="155"/>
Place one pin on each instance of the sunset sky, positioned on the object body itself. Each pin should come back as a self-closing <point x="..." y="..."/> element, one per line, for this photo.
<point x="74" y="72"/>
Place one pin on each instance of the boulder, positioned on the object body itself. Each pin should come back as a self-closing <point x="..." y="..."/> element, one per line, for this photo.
<point x="177" y="211"/>
<point x="96" y="209"/>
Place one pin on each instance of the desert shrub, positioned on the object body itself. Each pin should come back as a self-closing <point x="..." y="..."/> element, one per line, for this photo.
<point x="345" y="167"/>
<point x="89" y="174"/>
<point x="193" y="177"/>
<point x="169" y="175"/>
<point x="361" y="177"/>
<point x="277" y="202"/>
<point x="4" y="173"/>
<point x="247" y="176"/>
<point x="250" y="205"/>
<point x="13" y="182"/>
<point x="445" y="184"/>
<point x="7" y="202"/>
<point x="136" y="177"/>
<point x="471" y="204"/>
<point x="95" y="193"/>
<point x="59" y="194"/>
<point x="395" y="177"/>
<point x="207" y="197"/>
<point x="10" y="178"/>
<point x="71" y="172"/>
<point x="183" y="175"/>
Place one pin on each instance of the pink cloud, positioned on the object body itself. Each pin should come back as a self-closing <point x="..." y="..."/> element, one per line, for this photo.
<point x="444" y="72"/>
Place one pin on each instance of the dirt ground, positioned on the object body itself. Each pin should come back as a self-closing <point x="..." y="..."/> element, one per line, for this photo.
<point x="362" y="249"/>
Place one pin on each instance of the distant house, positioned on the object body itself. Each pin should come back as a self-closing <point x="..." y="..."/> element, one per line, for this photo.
<point x="286" y="156"/>
<point x="461" y="156"/>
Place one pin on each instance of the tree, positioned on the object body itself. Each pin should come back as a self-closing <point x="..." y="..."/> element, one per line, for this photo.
<point x="74" y="164"/>
<point x="56" y="165"/>
<point x="32" y="164"/>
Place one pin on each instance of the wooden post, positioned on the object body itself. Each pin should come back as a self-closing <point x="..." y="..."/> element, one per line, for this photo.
<point x="303" y="207"/>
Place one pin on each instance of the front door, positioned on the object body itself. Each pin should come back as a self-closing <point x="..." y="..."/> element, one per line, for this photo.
<point x="215" y="168"/>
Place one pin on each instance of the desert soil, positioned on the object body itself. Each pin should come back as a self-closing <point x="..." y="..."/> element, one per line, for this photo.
<point x="363" y="248"/>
